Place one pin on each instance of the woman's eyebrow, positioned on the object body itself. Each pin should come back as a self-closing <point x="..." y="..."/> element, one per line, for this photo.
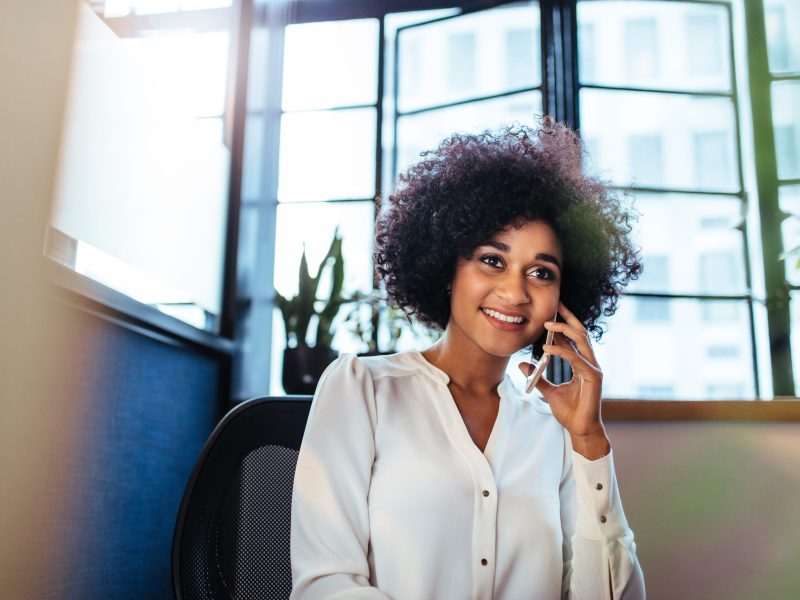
<point x="541" y="256"/>
<point x="549" y="258"/>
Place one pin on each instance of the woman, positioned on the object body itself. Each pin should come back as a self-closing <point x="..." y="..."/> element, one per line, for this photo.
<point x="428" y="475"/>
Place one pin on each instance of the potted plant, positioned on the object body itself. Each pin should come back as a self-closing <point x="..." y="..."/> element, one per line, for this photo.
<point x="303" y="364"/>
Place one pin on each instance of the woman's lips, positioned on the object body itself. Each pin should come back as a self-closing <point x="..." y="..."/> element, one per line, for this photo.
<point x="504" y="325"/>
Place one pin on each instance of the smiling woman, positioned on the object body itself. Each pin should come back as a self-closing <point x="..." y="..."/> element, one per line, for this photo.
<point x="507" y="284"/>
<point x="514" y="495"/>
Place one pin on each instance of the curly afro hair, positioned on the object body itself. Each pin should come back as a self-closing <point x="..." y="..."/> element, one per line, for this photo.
<point x="474" y="186"/>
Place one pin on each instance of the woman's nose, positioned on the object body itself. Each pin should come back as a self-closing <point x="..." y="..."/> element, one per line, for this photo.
<point x="513" y="290"/>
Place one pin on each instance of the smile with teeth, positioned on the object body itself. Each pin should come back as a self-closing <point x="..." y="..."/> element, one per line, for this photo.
<point x="501" y="317"/>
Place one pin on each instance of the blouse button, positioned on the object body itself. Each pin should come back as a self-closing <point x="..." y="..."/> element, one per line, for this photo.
<point x="603" y="519"/>
<point x="485" y="492"/>
<point x="599" y="486"/>
<point x="484" y="562"/>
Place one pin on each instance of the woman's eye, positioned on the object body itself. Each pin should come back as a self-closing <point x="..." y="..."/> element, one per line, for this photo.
<point x="542" y="273"/>
<point x="491" y="260"/>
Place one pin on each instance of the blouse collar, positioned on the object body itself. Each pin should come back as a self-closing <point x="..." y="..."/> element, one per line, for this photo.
<point x="437" y="374"/>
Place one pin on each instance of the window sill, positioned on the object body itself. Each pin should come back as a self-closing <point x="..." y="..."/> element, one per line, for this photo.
<point x="86" y="294"/>
<point x="780" y="409"/>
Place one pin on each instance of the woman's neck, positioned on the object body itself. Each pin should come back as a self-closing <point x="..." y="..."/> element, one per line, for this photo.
<point x="467" y="365"/>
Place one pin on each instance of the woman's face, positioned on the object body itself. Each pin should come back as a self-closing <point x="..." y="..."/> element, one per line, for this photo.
<point x="502" y="295"/>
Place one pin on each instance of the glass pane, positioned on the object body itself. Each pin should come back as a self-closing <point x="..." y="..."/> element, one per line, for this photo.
<point x="475" y="55"/>
<point x="330" y="64"/>
<point x="327" y="155"/>
<point x="783" y="34"/>
<point x="661" y="140"/>
<point x="191" y="69"/>
<point x="789" y="200"/>
<point x="690" y="244"/>
<point x="143" y="171"/>
<point x="392" y="23"/>
<point x="677" y="350"/>
<point x="252" y="167"/>
<point x="424" y="131"/>
<point x="786" y="117"/>
<point x="312" y="227"/>
<point x="257" y="69"/>
<point x="666" y="45"/>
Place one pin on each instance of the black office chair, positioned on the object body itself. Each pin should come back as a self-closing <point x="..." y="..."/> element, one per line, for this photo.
<point x="232" y="534"/>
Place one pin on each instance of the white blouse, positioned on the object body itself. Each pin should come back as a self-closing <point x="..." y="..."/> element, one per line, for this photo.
<point x="393" y="499"/>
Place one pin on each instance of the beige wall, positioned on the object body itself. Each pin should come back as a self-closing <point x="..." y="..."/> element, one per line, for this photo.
<point x="715" y="507"/>
<point x="36" y="431"/>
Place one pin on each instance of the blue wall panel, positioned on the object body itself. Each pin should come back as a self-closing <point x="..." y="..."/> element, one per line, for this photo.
<point x="147" y="408"/>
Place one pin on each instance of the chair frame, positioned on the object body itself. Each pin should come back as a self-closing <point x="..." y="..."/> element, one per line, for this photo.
<point x="288" y="433"/>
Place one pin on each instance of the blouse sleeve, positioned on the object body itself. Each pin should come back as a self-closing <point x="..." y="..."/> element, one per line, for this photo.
<point x="330" y="524"/>
<point x="598" y="549"/>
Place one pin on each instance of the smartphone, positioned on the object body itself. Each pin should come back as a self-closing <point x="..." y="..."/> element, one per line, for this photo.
<point x="541" y="365"/>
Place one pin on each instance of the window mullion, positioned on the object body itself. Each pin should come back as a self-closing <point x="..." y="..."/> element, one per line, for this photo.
<point x="559" y="29"/>
<point x="766" y="169"/>
<point x="560" y="66"/>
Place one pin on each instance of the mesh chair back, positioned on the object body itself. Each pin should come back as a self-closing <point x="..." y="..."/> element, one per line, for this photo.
<point x="232" y="535"/>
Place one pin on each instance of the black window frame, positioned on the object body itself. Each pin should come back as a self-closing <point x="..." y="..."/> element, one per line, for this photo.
<point x="560" y="97"/>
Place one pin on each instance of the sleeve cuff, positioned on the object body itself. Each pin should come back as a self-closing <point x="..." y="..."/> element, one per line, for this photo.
<point x="600" y="514"/>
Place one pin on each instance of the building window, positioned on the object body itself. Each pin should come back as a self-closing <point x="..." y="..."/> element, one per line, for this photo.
<point x="461" y="61"/>
<point x="722" y="352"/>
<point x="645" y="159"/>
<point x="587" y="51"/>
<point x="522" y="56"/>
<point x="641" y="49"/>
<point x="654" y="391"/>
<point x="713" y="163"/>
<point x="777" y="38"/>
<point x="705" y="40"/>
<point x="720" y="273"/>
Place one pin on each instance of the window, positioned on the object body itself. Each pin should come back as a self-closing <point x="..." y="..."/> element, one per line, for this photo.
<point x="723" y="391"/>
<point x="786" y="146"/>
<point x="327" y="166"/>
<point x="663" y="124"/>
<point x="722" y="352"/>
<point x="644" y="158"/>
<point x="656" y="273"/>
<point x="703" y="33"/>
<point x="656" y="391"/>
<point x="661" y="120"/>
<point x="719" y="272"/>
<point x="641" y="49"/>
<point x="783" y="55"/>
<point x="713" y="163"/>
<point x="142" y="190"/>
<point x="649" y="310"/>
<point x="783" y="35"/>
<point x="464" y="88"/>
<point x="522" y="55"/>
<point x="587" y="51"/>
<point x="654" y="277"/>
<point x="460" y="66"/>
